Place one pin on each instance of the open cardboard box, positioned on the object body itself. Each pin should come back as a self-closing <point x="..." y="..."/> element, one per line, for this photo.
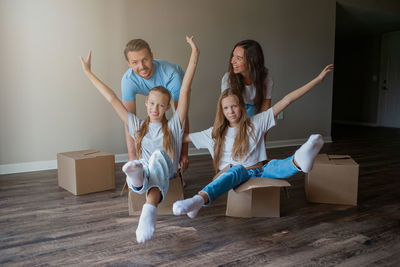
<point x="175" y="192"/>
<point x="86" y="171"/>
<point x="258" y="197"/>
<point x="333" y="180"/>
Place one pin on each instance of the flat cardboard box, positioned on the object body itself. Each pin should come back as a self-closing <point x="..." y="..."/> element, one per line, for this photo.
<point x="333" y="180"/>
<point x="175" y="192"/>
<point x="86" y="171"/>
<point x="258" y="197"/>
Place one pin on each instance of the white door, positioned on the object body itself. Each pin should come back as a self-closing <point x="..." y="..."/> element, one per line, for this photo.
<point x="389" y="90"/>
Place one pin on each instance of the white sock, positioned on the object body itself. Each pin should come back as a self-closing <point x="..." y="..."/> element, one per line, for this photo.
<point x="189" y="206"/>
<point x="147" y="223"/>
<point x="305" y="155"/>
<point x="134" y="173"/>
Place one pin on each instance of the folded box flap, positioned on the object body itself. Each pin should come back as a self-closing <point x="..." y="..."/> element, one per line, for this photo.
<point x="84" y="154"/>
<point x="260" y="183"/>
<point x="90" y="153"/>
<point x="341" y="160"/>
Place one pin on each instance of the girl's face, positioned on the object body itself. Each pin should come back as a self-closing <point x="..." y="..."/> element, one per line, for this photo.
<point x="239" y="62"/>
<point x="231" y="110"/>
<point x="157" y="104"/>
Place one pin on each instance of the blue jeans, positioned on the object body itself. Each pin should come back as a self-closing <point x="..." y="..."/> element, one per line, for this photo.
<point x="250" y="110"/>
<point x="237" y="174"/>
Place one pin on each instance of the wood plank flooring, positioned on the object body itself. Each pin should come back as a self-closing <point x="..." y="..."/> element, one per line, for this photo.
<point x="42" y="224"/>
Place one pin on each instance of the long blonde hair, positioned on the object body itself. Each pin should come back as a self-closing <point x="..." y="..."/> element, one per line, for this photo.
<point x="167" y="138"/>
<point x="244" y="129"/>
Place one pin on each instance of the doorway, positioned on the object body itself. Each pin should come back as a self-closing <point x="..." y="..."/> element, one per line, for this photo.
<point x="358" y="97"/>
<point x="389" y="89"/>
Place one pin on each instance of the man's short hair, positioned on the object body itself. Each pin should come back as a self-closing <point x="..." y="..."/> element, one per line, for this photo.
<point x="136" y="45"/>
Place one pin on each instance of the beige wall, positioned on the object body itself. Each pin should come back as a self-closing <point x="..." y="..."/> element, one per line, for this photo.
<point x="48" y="106"/>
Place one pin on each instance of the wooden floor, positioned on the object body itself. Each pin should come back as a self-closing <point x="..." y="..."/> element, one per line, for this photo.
<point x="42" y="224"/>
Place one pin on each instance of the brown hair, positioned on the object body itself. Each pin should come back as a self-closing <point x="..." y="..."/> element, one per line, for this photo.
<point x="167" y="138"/>
<point x="136" y="45"/>
<point x="244" y="129"/>
<point x="258" y="72"/>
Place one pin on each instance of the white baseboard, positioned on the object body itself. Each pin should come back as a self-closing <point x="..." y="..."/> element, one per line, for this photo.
<point x="52" y="164"/>
<point x="293" y="142"/>
<point x="28" y="166"/>
<point x="121" y="158"/>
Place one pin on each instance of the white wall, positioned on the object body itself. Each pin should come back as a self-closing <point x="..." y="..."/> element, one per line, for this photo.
<point x="47" y="105"/>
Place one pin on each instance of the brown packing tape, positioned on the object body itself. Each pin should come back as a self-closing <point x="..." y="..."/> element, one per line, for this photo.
<point x="89" y="152"/>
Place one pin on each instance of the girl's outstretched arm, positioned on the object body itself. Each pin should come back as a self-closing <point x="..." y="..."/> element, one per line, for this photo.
<point x="184" y="94"/>
<point x="109" y="94"/>
<point x="296" y="94"/>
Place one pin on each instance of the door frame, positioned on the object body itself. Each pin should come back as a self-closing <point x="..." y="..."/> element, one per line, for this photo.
<point x="382" y="78"/>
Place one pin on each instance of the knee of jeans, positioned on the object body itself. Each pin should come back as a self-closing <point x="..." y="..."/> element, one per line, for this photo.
<point x="238" y="170"/>
<point x="272" y="162"/>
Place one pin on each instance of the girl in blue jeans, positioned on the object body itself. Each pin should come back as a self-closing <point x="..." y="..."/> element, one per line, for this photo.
<point x="236" y="143"/>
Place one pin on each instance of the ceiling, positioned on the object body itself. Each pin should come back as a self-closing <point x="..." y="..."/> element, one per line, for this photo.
<point x="360" y="20"/>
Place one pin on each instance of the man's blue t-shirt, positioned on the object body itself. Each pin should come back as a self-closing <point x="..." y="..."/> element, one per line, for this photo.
<point x="166" y="74"/>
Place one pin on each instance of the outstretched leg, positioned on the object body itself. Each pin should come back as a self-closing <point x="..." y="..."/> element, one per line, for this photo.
<point x="156" y="181"/>
<point x="147" y="221"/>
<point x="302" y="160"/>
<point x="190" y="206"/>
<point x="134" y="173"/>
<point x="232" y="178"/>
<point x="304" y="157"/>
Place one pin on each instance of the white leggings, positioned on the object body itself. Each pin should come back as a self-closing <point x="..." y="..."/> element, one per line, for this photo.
<point x="156" y="173"/>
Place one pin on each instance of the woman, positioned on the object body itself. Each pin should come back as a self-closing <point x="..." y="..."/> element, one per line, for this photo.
<point x="248" y="74"/>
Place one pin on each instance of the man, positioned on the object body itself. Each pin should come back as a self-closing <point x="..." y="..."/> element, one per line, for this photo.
<point x="143" y="74"/>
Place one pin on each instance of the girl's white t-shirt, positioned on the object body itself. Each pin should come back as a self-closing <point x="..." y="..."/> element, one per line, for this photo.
<point x="153" y="139"/>
<point x="250" y="90"/>
<point x="262" y="122"/>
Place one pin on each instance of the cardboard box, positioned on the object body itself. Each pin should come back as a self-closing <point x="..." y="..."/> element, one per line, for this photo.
<point x="86" y="171"/>
<point x="333" y="180"/>
<point x="175" y="192"/>
<point x="258" y="197"/>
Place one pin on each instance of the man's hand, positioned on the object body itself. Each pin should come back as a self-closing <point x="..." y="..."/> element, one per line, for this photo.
<point x="184" y="161"/>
